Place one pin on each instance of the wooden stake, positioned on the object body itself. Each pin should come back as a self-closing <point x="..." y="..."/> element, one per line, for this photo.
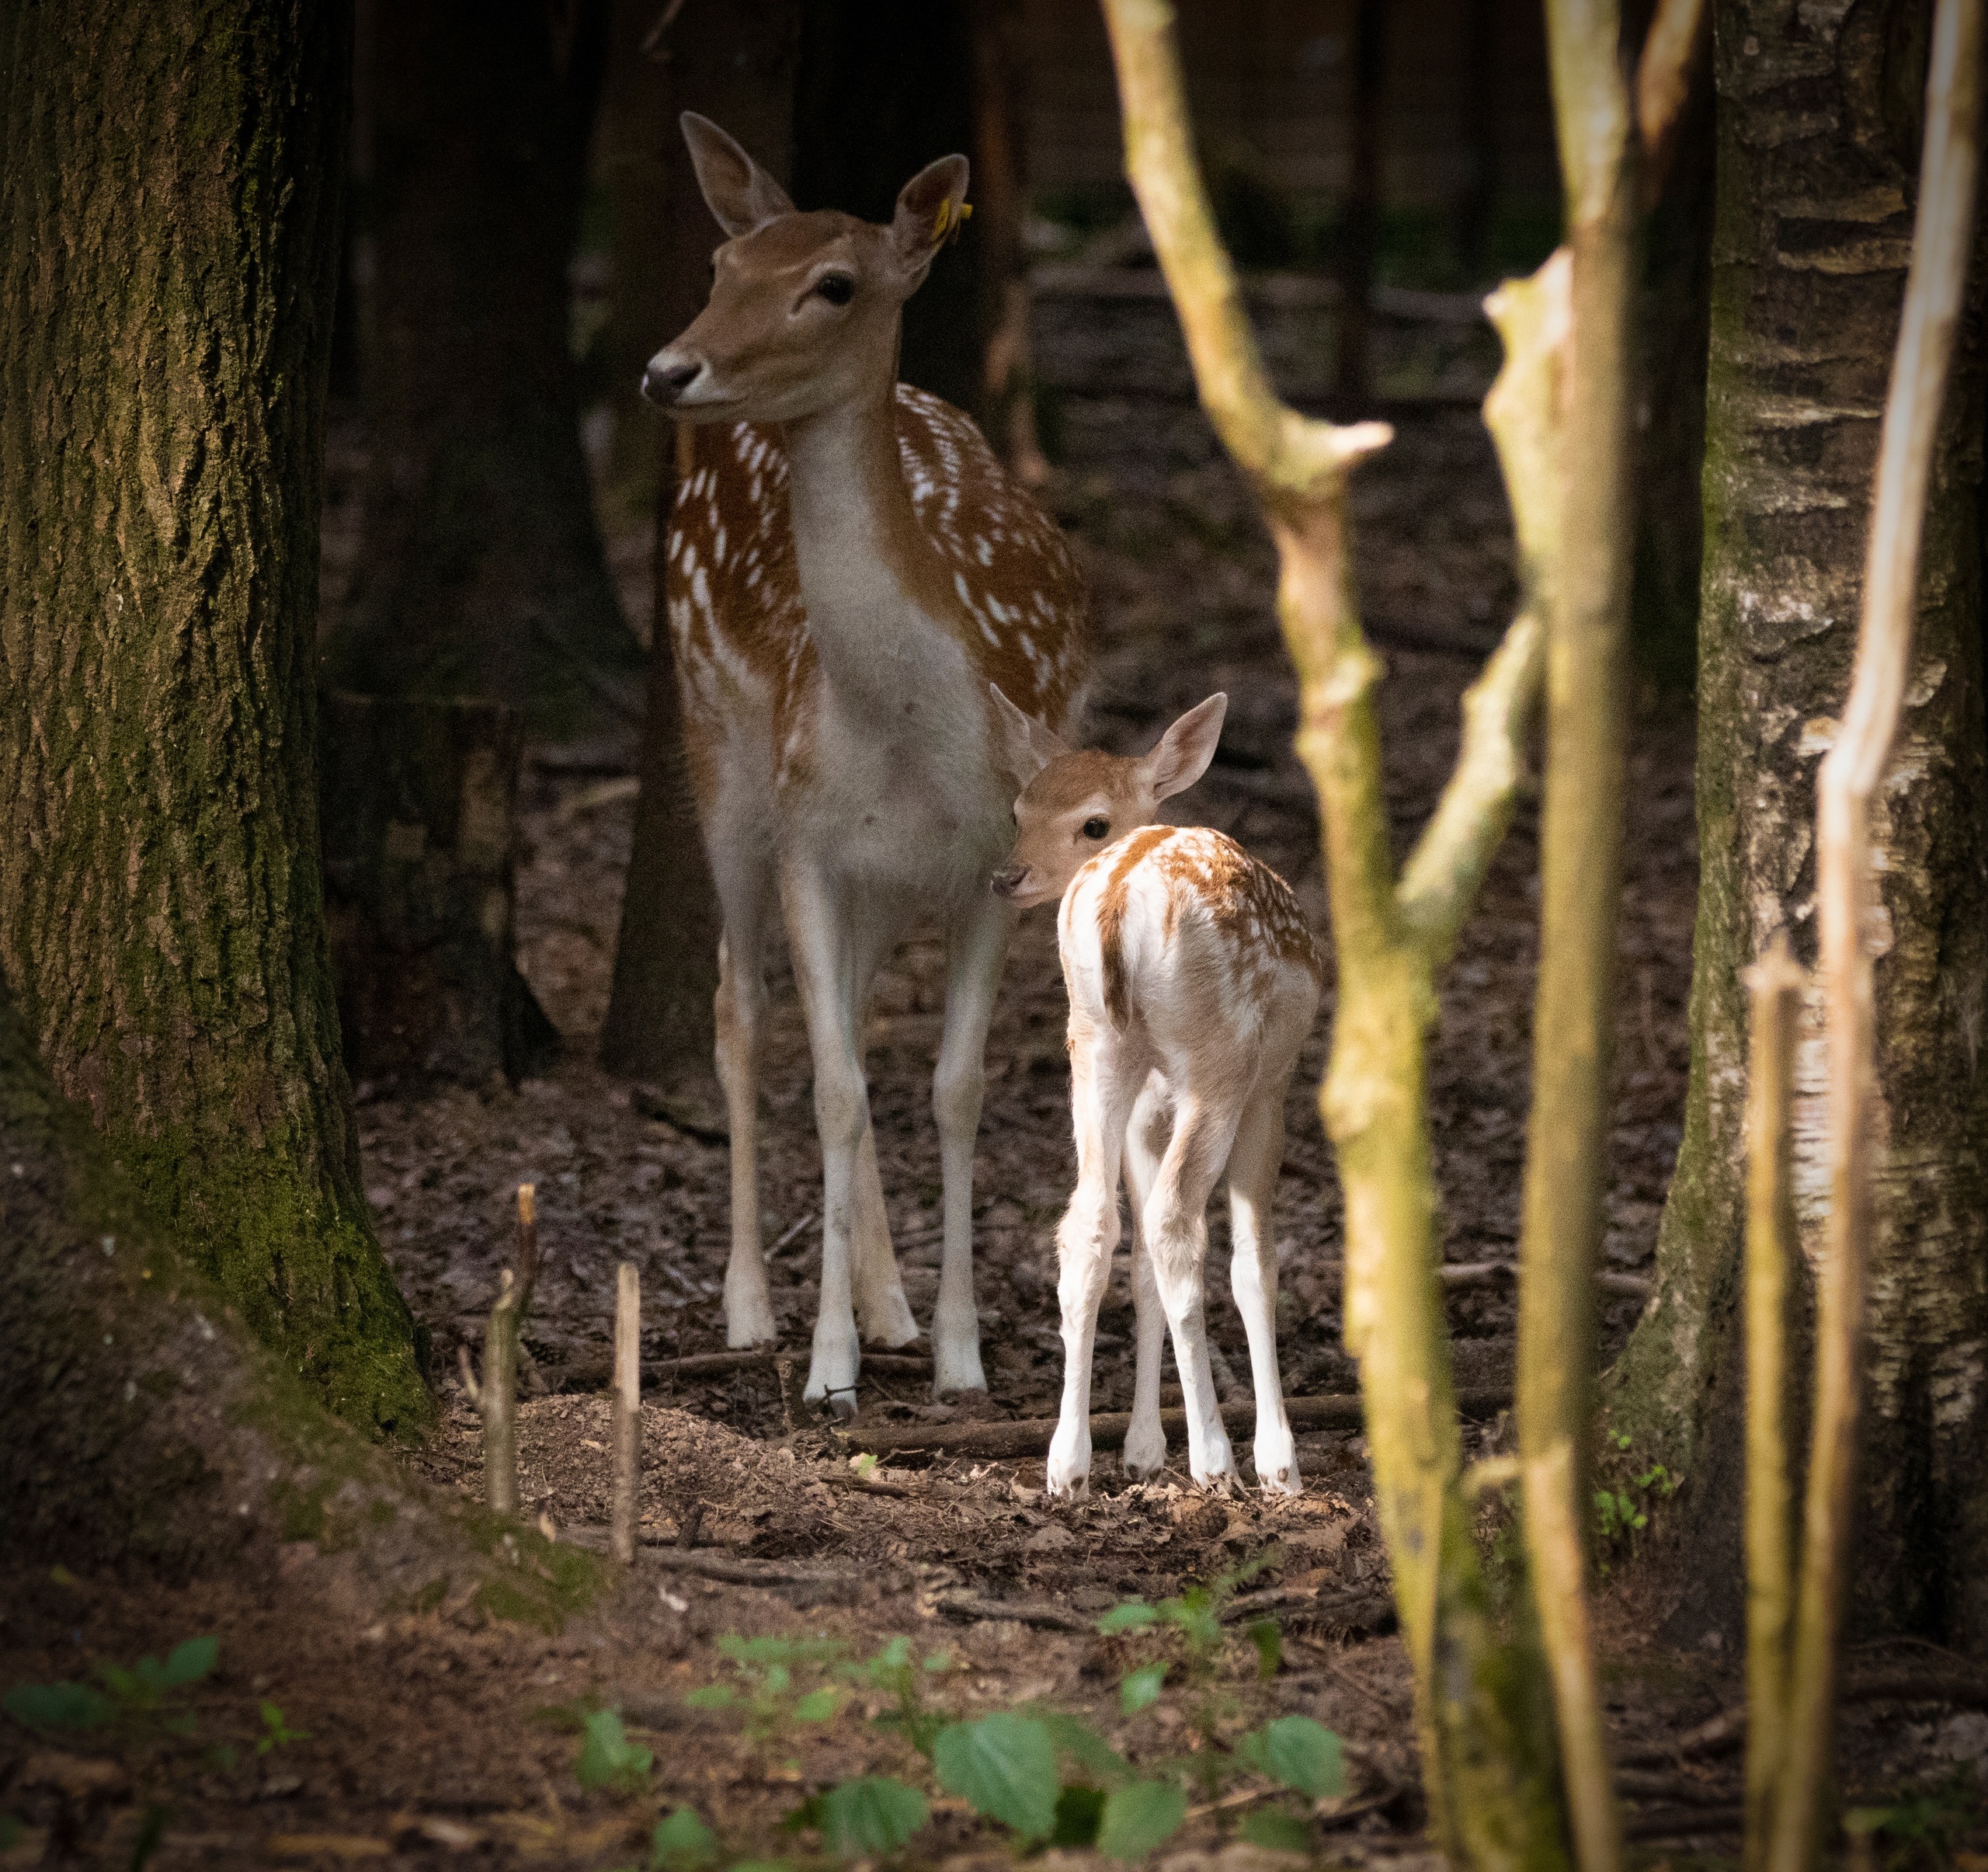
<point x="627" y="1411"/>
<point x="498" y="1399"/>
<point x="1943" y="233"/>
<point x="1774" y="985"/>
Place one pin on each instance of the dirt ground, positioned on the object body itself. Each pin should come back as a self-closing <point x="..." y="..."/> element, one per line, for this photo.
<point x="436" y="1735"/>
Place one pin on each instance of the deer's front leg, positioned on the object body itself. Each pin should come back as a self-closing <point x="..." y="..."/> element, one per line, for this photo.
<point x="828" y="972"/>
<point x="975" y="946"/>
<point x="741" y="1004"/>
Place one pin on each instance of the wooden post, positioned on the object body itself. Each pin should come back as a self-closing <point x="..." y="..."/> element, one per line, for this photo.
<point x="496" y="1398"/>
<point x="627" y="1438"/>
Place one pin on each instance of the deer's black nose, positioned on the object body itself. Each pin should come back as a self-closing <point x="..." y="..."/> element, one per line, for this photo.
<point x="664" y="386"/>
<point x="1007" y="882"/>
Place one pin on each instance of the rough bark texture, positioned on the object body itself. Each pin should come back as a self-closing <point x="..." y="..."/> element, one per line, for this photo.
<point x="1819" y="134"/>
<point x="170" y="181"/>
<point x="147" y="1432"/>
<point x="483" y="573"/>
<point x="737" y="68"/>
<point x="418" y="807"/>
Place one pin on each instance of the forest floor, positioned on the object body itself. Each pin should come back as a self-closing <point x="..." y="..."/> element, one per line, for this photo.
<point x="438" y="1734"/>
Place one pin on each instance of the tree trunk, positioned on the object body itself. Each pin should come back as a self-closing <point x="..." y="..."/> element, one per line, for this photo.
<point x="1819" y="129"/>
<point x="737" y="68"/>
<point x="171" y="178"/>
<point x="483" y="572"/>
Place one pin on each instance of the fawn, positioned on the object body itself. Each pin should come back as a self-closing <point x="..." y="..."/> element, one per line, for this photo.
<point x="848" y="569"/>
<point x="1193" y="979"/>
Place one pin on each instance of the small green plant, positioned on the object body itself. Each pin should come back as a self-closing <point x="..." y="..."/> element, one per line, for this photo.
<point x="765" y="1691"/>
<point x="276" y="1732"/>
<point x="895" y="1671"/>
<point x="1622" y="1509"/>
<point x="141" y="1698"/>
<point x="1922" y="1827"/>
<point x="608" y="1759"/>
<point x="681" y="1843"/>
<point x="869" y="1817"/>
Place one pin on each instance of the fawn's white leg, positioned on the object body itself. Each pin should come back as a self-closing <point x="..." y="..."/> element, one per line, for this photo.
<point x="740" y="1007"/>
<point x="1101" y="1092"/>
<point x="975" y="946"/>
<point x="882" y="1310"/>
<point x="1145" y="1139"/>
<point x="1253" y="1163"/>
<point x="832" y="976"/>
<point x="1176" y="1234"/>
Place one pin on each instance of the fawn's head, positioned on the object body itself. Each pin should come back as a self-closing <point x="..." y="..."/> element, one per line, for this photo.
<point x="804" y="308"/>
<point x="1074" y="801"/>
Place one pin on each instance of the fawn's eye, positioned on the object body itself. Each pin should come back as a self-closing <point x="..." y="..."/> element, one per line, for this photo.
<point x="837" y="288"/>
<point x="1096" y="828"/>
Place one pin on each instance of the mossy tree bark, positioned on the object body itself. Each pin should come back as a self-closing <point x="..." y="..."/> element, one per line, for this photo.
<point x="1819" y="132"/>
<point x="737" y="68"/>
<point x="170" y="177"/>
<point x="483" y="573"/>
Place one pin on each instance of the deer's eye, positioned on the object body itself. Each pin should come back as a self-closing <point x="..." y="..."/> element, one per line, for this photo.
<point x="1096" y="828"/>
<point x="837" y="288"/>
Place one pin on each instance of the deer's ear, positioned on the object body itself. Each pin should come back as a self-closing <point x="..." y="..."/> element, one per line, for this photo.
<point x="1182" y="753"/>
<point x="738" y="191"/>
<point x="929" y="211"/>
<point x="1023" y="747"/>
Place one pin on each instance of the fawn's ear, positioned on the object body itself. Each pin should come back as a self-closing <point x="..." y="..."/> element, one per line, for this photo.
<point x="1182" y="755"/>
<point x="929" y="211"/>
<point x="1024" y="747"/>
<point x="738" y="191"/>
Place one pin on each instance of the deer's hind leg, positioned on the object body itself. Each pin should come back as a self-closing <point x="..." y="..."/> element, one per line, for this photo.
<point x="1254" y="1161"/>
<point x="1146" y="1135"/>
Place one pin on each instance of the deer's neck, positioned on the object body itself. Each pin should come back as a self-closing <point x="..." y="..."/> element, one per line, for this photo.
<point x="868" y="574"/>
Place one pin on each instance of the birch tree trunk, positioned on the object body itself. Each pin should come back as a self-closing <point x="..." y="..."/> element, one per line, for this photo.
<point x="171" y="183"/>
<point x="1818" y="133"/>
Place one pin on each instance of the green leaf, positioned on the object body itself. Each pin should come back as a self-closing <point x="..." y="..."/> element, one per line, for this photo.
<point x="1004" y="1766"/>
<point x="1079" y="1811"/>
<point x="1141" y="1690"/>
<point x="192" y="1661"/>
<point x="1268" y="1638"/>
<point x="940" y="1660"/>
<point x="58" y="1706"/>
<point x="1134" y="1615"/>
<point x="1299" y="1752"/>
<point x="1076" y="1739"/>
<point x="681" y="1843"/>
<point x="712" y="1697"/>
<point x="1277" y="1832"/>
<point x="817" y="1706"/>
<point x="1140" y="1816"/>
<point x="607" y="1759"/>
<point x="871" y="1816"/>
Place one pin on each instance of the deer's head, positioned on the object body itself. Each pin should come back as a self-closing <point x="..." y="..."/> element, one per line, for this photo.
<point x="804" y="308"/>
<point x="1074" y="802"/>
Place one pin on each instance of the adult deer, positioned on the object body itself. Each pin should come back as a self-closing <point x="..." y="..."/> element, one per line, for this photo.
<point x="849" y="568"/>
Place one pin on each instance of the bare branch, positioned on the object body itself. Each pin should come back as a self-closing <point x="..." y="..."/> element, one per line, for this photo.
<point x="1942" y="238"/>
<point x="1673" y="51"/>
<point x="1774" y="985"/>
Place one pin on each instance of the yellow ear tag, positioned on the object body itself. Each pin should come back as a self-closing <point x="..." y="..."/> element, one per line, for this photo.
<point x="946" y="218"/>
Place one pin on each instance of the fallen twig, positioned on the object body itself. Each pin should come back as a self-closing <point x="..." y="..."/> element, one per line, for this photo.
<point x="738" y="1572"/>
<point x="1030" y="1436"/>
<point x="1024" y="1612"/>
<point x="1357" y="1610"/>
